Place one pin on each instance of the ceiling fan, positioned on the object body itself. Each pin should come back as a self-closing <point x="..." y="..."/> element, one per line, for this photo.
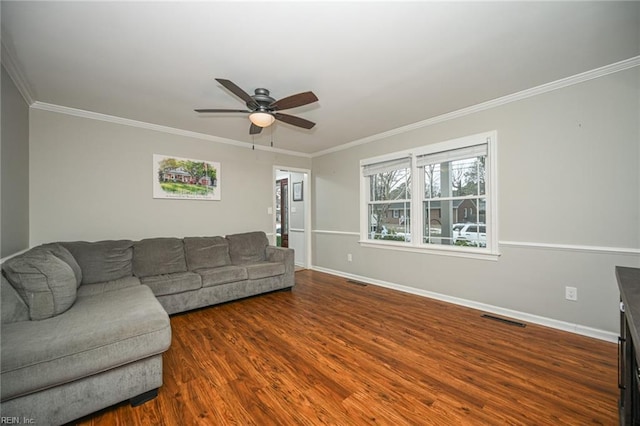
<point x="263" y="109"/>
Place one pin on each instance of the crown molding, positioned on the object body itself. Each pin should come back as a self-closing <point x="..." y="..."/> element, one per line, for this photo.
<point x="158" y="128"/>
<point x="524" y="94"/>
<point x="22" y="84"/>
<point x="15" y="72"/>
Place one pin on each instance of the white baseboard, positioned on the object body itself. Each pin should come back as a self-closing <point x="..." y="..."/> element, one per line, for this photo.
<point x="522" y="316"/>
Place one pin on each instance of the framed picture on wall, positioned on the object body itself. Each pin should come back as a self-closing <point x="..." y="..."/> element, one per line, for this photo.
<point x="185" y="178"/>
<point x="297" y="191"/>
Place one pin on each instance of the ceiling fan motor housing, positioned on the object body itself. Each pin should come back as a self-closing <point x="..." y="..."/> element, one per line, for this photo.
<point x="262" y="98"/>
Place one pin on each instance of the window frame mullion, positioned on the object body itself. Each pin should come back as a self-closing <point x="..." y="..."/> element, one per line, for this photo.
<point x="417" y="194"/>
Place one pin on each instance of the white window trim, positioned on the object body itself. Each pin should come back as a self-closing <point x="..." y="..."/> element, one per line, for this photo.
<point x="489" y="253"/>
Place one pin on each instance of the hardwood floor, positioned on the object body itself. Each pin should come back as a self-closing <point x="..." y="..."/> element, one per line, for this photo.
<point x="338" y="353"/>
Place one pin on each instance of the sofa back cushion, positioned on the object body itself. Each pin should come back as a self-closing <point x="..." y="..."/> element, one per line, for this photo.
<point x="247" y="248"/>
<point x="102" y="261"/>
<point x="158" y="256"/>
<point x="13" y="308"/>
<point x="45" y="282"/>
<point x="206" y="252"/>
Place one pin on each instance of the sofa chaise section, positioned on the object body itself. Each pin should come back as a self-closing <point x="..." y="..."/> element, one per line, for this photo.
<point x="61" y="360"/>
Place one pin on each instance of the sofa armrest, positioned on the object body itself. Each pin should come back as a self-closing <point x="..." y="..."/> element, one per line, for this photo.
<point x="283" y="255"/>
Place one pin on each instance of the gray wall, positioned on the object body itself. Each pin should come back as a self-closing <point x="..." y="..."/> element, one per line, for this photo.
<point x="14" y="174"/>
<point x="568" y="185"/>
<point x="568" y="182"/>
<point x="297" y="220"/>
<point x="92" y="180"/>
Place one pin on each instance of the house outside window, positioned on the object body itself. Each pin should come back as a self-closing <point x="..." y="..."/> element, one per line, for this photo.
<point x="449" y="191"/>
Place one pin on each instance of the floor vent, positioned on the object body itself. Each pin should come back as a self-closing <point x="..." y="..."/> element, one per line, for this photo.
<point x="357" y="283"/>
<point x="504" y="320"/>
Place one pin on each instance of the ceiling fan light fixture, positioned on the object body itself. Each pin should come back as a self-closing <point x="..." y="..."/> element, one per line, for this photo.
<point x="262" y="119"/>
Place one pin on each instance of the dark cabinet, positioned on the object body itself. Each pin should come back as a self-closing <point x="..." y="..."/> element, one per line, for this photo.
<point x="629" y="346"/>
<point x="627" y="374"/>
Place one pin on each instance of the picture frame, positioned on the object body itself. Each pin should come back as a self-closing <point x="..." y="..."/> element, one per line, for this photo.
<point x="185" y="178"/>
<point x="297" y="191"/>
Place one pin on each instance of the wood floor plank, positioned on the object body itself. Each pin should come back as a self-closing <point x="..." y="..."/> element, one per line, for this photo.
<point x="335" y="353"/>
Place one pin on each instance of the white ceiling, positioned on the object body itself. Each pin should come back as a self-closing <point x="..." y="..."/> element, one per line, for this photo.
<point x="375" y="66"/>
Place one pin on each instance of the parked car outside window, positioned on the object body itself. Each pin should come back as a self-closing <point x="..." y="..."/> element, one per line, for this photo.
<point x="470" y="234"/>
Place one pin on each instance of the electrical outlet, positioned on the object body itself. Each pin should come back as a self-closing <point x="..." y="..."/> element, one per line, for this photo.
<point x="571" y="293"/>
<point x="349" y="257"/>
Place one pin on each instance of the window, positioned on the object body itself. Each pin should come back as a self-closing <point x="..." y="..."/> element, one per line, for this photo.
<point x="454" y="182"/>
<point x="389" y="193"/>
<point x="448" y="190"/>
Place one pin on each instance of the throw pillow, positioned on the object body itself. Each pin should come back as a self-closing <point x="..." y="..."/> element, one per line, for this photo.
<point x="45" y="282"/>
<point x="59" y="251"/>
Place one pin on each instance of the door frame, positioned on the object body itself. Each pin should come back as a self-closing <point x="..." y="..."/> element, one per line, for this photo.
<point x="284" y="211"/>
<point x="306" y="192"/>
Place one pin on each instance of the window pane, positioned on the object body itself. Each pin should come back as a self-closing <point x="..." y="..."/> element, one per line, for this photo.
<point x="466" y="176"/>
<point x="446" y="224"/>
<point x="394" y="185"/>
<point x="384" y="226"/>
<point x="439" y="216"/>
<point x="432" y="181"/>
<point x="461" y="178"/>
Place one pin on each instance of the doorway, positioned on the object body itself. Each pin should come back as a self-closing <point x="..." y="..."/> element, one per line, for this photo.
<point x="292" y="214"/>
<point x="282" y="212"/>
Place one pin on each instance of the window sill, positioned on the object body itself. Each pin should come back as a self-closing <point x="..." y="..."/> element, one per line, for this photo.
<point x="466" y="252"/>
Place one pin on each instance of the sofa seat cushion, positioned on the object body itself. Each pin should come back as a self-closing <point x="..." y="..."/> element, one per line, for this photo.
<point x="98" y="333"/>
<point x="102" y="260"/>
<point x="206" y="252"/>
<point x="158" y="256"/>
<point x="100" y="288"/>
<point x="246" y="248"/>
<point x="45" y="282"/>
<point x="264" y="269"/>
<point x="222" y="275"/>
<point x="162" y="285"/>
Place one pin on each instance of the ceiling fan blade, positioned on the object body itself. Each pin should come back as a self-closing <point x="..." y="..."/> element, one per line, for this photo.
<point x="221" y="110"/>
<point x="233" y="88"/>
<point x="294" y="101"/>
<point x="254" y="130"/>
<point x="296" y="121"/>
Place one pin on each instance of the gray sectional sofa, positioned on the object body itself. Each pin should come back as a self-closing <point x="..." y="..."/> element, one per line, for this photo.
<point x="84" y="324"/>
